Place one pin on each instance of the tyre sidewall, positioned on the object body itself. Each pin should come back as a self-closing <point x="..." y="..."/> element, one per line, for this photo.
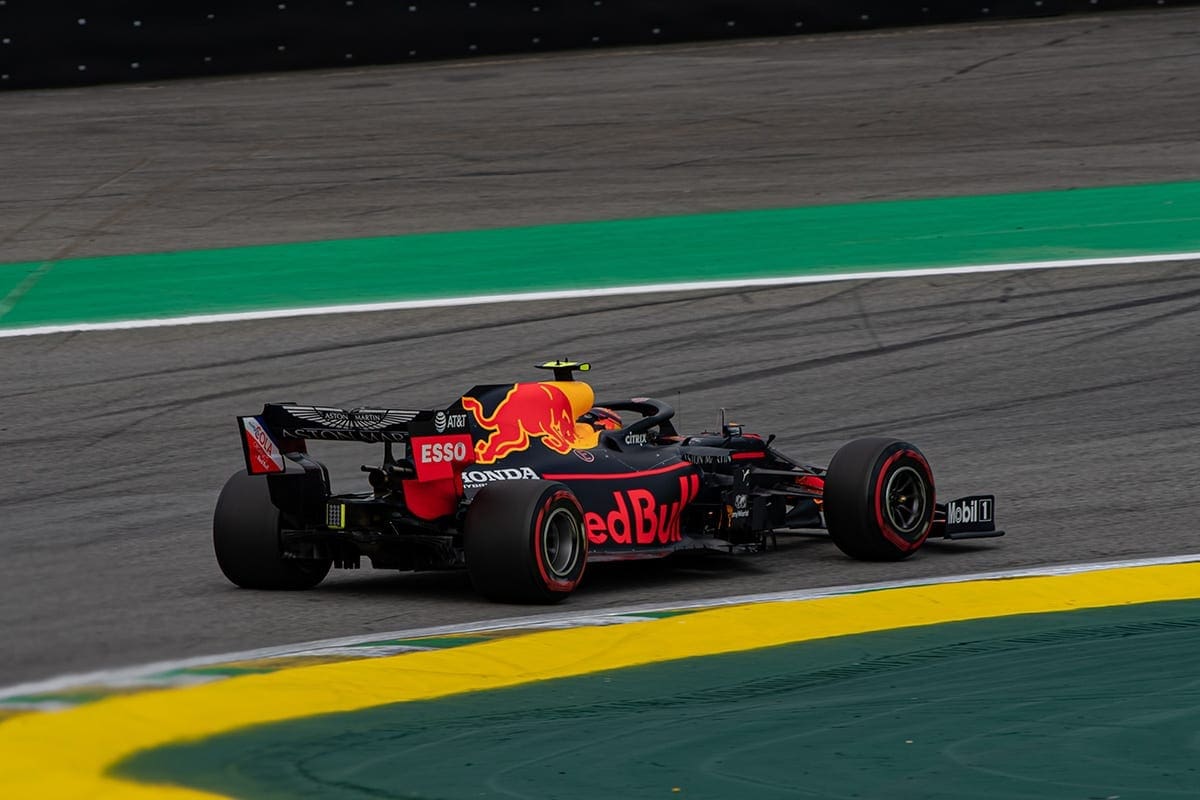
<point x="901" y="455"/>
<point x="246" y="540"/>
<point x="505" y="541"/>
<point x="854" y="504"/>
<point x="555" y="499"/>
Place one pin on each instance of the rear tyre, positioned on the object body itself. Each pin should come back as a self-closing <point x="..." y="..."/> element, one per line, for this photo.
<point x="525" y="542"/>
<point x="879" y="499"/>
<point x="246" y="540"/>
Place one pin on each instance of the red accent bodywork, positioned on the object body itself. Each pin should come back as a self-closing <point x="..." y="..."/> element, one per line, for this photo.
<point x="439" y="462"/>
<point x="431" y="500"/>
<point x="814" y="483"/>
<point x="440" y="457"/>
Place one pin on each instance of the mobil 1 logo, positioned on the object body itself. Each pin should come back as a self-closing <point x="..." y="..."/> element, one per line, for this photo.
<point x="975" y="513"/>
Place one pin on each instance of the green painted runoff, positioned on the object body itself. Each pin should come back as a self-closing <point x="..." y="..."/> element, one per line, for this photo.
<point x="816" y="240"/>
<point x="1100" y="703"/>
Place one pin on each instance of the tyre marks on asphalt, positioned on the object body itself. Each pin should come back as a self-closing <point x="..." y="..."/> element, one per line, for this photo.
<point x="125" y="437"/>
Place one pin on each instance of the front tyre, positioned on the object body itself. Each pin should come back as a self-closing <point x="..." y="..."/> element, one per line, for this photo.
<point x="246" y="540"/>
<point x="879" y="499"/>
<point x="525" y="542"/>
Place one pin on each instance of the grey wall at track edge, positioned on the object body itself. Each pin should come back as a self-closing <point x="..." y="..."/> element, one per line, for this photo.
<point x="62" y="44"/>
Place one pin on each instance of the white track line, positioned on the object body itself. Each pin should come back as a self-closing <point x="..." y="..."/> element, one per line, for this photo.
<point x="612" y="291"/>
<point x="141" y="674"/>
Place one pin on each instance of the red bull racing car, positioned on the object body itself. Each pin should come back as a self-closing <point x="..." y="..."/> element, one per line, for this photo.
<point x="524" y="484"/>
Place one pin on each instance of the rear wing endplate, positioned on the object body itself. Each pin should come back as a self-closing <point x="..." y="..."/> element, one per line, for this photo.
<point x="261" y="451"/>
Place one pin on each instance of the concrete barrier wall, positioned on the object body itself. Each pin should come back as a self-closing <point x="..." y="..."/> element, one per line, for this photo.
<point x="71" y="42"/>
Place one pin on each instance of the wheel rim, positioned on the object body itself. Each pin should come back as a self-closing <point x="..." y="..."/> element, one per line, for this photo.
<point x="560" y="543"/>
<point x="906" y="501"/>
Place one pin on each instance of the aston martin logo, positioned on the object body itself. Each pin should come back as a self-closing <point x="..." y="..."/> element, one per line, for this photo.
<point x="355" y="419"/>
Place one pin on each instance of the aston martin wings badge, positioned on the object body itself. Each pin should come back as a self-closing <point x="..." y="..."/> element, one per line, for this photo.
<point x="328" y="422"/>
<point x="355" y="419"/>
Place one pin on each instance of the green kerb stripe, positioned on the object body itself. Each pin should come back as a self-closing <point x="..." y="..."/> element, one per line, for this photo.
<point x="1031" y="706"/>
<point x="1083" y="223"/>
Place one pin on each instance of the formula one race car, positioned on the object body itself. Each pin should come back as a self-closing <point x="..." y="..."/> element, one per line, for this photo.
<point x="524" y="483"/>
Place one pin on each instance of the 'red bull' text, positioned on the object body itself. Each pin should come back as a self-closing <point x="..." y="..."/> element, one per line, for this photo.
<point x="639" y="518"/>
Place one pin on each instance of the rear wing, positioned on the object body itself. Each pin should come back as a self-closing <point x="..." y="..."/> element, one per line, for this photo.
<point x="283" y="427"/>
<point x="348" y="425"/>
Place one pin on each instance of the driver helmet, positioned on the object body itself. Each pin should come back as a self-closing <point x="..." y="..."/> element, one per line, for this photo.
<point x="602" y="419"/>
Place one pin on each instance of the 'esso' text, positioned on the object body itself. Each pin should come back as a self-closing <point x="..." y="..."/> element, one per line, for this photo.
<point x="438" y="452"/>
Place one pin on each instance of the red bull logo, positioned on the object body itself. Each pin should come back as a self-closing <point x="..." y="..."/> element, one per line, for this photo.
<point x="638" y="517"/>
<point x="529" y="411"/>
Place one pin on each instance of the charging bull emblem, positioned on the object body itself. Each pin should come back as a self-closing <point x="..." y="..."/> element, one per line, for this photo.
<point x="530" y="411"/>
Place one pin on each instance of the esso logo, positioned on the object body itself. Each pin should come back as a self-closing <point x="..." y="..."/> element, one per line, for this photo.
<point x="440" y="452"/>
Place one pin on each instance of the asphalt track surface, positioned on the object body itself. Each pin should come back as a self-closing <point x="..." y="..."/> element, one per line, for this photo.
<point x="1085" y="101"/>
<point x="1069" y="393"/>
